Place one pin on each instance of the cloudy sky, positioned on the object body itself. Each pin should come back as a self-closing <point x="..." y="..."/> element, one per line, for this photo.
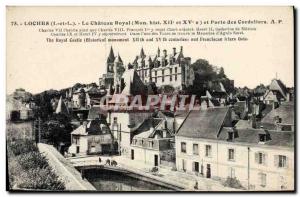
<point x="36" y="65"/>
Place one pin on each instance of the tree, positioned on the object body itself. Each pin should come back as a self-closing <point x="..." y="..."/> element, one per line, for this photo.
<point x="203" y="70"/>
<point x="57" y="130"/>
<point x="204" y="74"/>
<point x="221" y="73"/>
<point x="166" y="89"/>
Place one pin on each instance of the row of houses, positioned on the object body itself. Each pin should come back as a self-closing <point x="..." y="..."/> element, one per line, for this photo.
<point x="248" y="136"/>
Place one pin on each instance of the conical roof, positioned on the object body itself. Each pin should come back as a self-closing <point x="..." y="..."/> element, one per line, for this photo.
<point x="118" y="59"/>
<point x="142" y="53"/>
<point x="61" y="107"/>
<point x="111" y="56"/>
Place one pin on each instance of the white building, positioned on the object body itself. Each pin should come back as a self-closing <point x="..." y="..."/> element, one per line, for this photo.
<point x="207" y="146"/>
<point x="153" y="142"/>
<point x="93" y="137"/>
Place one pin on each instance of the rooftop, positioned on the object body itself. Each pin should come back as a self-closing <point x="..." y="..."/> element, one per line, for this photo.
<point x="285" y="111"/>
<point x="204" y="124"/>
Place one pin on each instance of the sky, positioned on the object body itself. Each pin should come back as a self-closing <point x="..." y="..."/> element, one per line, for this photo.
<point x="36" y="65"/>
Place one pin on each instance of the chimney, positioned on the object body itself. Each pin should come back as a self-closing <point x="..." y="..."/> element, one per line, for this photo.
<point x="166" y="124"/>
<point x="174" y="126"/>
<point x="84" y="124"/>
<point x="80" y="116"/>
<point x="288" y="96"/>
<point x="151" y="129"/>
<point x="158" y="52"/>
<point x="174" y="51"/>
<point x="232" y="134"/>
<point x="275" y="105"/>
<point x="164" y="133"/>
<point x="109" y="117"/>
<point x="165" y="52"/>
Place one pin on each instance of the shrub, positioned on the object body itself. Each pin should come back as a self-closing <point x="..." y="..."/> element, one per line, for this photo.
<point x="28" y="169"/>
<point x="233" y="182"/>
<point x="32" y="160"/>
<point x="154" y="169"/>
<point x="41" y="178"/>
<point x="22" y="146"/>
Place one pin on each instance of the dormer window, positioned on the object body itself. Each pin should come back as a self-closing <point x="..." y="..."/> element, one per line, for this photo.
<point x="262" y="137"/>
<point x="230" y="136"/>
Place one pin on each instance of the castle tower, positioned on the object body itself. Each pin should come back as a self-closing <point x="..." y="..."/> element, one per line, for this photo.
<point x="117" y="63"/>
<point x="142" y="53"/>
<point x="110" y="61"/>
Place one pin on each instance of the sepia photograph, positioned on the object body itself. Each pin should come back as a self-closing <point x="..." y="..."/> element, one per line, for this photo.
<point x="150" y="99"/>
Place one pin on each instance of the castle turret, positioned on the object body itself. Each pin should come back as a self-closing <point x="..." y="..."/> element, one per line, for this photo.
<point x="142" y="53"/>
<point x="110" y="61"/>
<point x="117" y="64"/>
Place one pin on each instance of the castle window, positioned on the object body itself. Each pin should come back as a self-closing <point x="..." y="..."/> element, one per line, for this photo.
<point x="175" y="77"/>
<point x="155" y="73"/>
<point x="175" y="70"/>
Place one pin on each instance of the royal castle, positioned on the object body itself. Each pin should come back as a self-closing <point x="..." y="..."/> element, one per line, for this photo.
<point x="161" y="68"/>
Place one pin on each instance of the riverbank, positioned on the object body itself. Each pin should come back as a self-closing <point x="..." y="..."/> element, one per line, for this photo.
<point x="65" y="170"/>
<point x="164" y="176"/>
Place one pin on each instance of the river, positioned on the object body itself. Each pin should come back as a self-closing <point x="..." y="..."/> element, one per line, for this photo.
<point x="105" y="180"/>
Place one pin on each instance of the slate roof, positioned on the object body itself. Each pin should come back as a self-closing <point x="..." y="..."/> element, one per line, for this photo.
<point x="277" y="84"/>
<point x="243" y="124"/>
<point x="93" y="127"/>
<point x="268" y="108"/>
<point x="133" y="83"/>
<point x="111" y="56"/>
<point x="285" y="111"/>
<point x="283" y="139"/>
<point x="240" y="109"/>
<point x="95" y="112"/>
<point x="61" y="107"/>
<point x="144" y="130"/>
<point x="203" y="124"/>
<point x="146" y="125"/>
